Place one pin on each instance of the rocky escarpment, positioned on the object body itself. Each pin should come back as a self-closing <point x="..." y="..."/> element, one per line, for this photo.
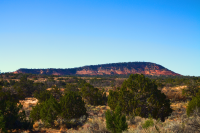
<point x="146" y="68"/>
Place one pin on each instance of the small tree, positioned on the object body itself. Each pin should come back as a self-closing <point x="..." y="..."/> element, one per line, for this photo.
<point x="43" y="95"/>
<point x="193" y="104"/>
<point x="139" y="96"/>
<point x="11" y="115"/>
<point x="55" y="91"/>
<point x="49" y="111"/>
<point x="192" y="89"/>
<point x="116" y="122"/>
<point x="35" y="112"/>
<point x="2" y="122"/>
<point x="71" y="87"/>
<point x="93" y="95"/>
<point x="24" y="87"/>
<point x="72" y="106"/>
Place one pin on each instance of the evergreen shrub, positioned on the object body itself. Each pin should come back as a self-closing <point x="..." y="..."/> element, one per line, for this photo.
<point x="116" y="121"/>
<point x="49" y="111"/>
<point x="139" y="96"/>
<point x="93" y="95"/>
<point x="72" y="105"/>
<point x="193" y="104"/>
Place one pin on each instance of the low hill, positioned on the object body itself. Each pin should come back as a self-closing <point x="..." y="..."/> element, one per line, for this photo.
<point x="146" y="68"/>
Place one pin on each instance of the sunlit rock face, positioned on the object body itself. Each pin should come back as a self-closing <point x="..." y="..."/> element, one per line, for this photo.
<point x="125" y="71"/>
<point x="146" y="68"/>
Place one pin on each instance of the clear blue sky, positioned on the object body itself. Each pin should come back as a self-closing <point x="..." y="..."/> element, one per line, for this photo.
<point x="73" y="33"/>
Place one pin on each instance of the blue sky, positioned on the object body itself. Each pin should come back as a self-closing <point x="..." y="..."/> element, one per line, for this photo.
<point x="73" y="33"/>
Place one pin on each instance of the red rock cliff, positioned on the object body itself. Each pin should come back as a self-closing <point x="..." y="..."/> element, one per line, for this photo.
<point x="146" y="68"/>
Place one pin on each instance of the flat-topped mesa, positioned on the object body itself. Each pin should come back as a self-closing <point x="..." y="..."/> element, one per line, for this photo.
<point x="146" y="68"/>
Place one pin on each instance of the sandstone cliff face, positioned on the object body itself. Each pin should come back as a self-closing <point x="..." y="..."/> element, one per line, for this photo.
<point x="146" y="68"/>
<point x="125" y="71"/>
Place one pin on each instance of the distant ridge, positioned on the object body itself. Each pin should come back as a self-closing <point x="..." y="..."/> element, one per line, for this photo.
<point x="146" y="68"/>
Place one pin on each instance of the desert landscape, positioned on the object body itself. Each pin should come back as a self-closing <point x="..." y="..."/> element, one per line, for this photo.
<point x="99" y="66"/>
<point x="43" y="96"/>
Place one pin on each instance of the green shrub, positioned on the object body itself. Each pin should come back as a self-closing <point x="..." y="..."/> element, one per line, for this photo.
<point x="93" y="95"/>
<point x="55" y="91"/>
<point x="11" y="115"/>
<point x="192" y="89"/>
<point x="193" y="104"/>
<point x="148" y="123"/>
<point x="49" y="111"/>
<point x="71" y="87"/>
<point x="139" y="96"/>
<point x="43" y="95"/>
<point x="80" y="82"/>
<point x="2" y="122"/>
<point x="12" y="82"/>
<point x="24" y="87"/>
<point x="35" y="112"/>
<point x="72" y="106"/>
<point x="116" y="122"/>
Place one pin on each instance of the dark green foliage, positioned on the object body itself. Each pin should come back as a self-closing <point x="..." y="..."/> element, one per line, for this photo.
<point x="71" y="87"/>
<point x="140" y="96"/>
<point x="80" y="82"/>
<point x="93" y="95"/>
<point x="61" y="84"/>
<point x="12" y="82"/>
<point x="5" y="83"/>
<point x="49" y="111"/>
<point x="193" y="87"/>
<point x="12" y="116"/>
<point x="55" y="91"/>
<point x="35" y="112"/>
<point x="24" y="87"/>
<point x="72" y="105"/>
<point x="1" y="82"/>
<point x="42" y="95"/>
<point x="39" y="86"/>
<point x="193" y="104"/>
<point x="170" y="81"/>
<point x="113" y="98"/>
<point x="115" y="121"/>
<point x="113" y="82"/>
<point x="2" y="122"/>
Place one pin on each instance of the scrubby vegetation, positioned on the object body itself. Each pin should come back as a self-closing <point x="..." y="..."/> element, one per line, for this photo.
<point x="140" y="96"/>
<point x="193" y="104"/>
<point x="93" y="95"/>
<point x="133" y="103"/>
<point x="116" y="121"/>
<point x="12" y="117"/>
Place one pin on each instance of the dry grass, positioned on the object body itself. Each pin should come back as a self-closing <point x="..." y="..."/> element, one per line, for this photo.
<point x="174" y="93"/>
<point x="28" y="103"/>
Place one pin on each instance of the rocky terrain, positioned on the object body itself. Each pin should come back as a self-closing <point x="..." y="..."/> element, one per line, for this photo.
<point x="145" y="68"/>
